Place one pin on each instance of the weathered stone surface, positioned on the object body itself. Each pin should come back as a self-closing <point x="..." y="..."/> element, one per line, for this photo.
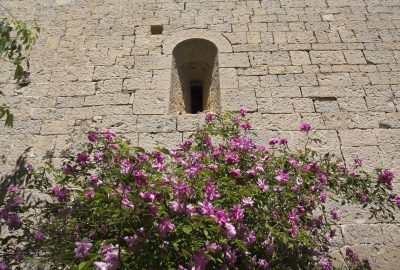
<point x="334" y="63"/>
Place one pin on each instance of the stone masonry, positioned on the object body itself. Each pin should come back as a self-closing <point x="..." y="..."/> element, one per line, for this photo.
<point x="334" y="63"/>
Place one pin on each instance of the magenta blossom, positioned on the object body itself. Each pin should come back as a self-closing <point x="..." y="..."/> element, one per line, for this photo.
<point x="206" y="208"/>
<point x="262" y="185"/>
<point x="335" y="214"/>
<point x="242" y="111"/>
<point x="248" y="201"/>
<point x="234" y="172"/>
<point x="220" y="216"/>
<point x="325" y="263"/>
<point x="208" y="117"/>
<point x="38" y="235"/>
<point x="111" y="258"/>
<point x="211" y="192"/>
<point x="82" y="248"/>
<point x="93" y="136"/>
<point x="282" y="177"/>
<point x="82" y="158"/>
<point x="386" y="177"/>
<point x="230" y="230"/>
<point x="165" y="226"/>
<point x="397" y="200"/>
<point x="304" y="127"/>
<point x="237" y="212"/>
<point x="3" y="265"/>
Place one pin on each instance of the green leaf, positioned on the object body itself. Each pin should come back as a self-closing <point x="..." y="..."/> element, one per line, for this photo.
<point x="187" y="229"/>
<point x="84" y="265"/>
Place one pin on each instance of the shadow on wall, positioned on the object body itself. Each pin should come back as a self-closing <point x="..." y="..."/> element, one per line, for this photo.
<point x="18" y="176"/>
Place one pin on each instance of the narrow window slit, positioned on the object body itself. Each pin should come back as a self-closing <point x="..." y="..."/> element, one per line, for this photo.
<point x="196" y="96"/>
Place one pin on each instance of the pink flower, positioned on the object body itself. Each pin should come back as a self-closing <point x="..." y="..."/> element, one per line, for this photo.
<point x="12" y="188"/>
<point x="386" y="177"/>
<point x="293" y="231"/>
<point x="322" y="197"/>
<point x="242" y="111"/>
<point x="82" y="248"/>
<point x="245" y="125"/>
<point x="282" y="177"/>
<point x="126" y="203"/>
<point x="230" y="230"/>
<point x="234" y="172"/>
<point x="164" y="227"/>
<point x="262" y="185"/>
<point x="206" y="208"/>
<point x="351" y="255"/>
<point x="220" y="217"/>
<point x="82" y="158"/>
<point x="38" y="235"/>
<point x="185" y="145"/>
<point x="211" y="192"/>
<point x="3" y="265"/>
<point x="293" y="217"/>
<point x="61" y="193"/>
<point x="325" y="263"/>
<point x="250" y="238"/>
<point x="111" y="258"/>
<point x="95" y="180"/>
<point x="89" y="193"/>
<point x="232" y="158"/>
<point x="208" y="117"/>
<point x="358" y="161"/>
<point x="273" y="141"/>
<point x="398" y="200"/>
<point x="304" y="127"/>
<point x="93" y="136"/>
<point x="335" y="214"/>
<point x="237" y="212"/>
<point x="148" y="196"/>
<point x="109" y="134"/>
<point x="248" y="201"/>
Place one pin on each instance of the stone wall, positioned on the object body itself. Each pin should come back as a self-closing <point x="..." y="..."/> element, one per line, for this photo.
<point x="335" y="63"/>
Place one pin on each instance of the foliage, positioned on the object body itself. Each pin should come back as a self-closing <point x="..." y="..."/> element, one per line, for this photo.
<point x="16" y="40"/>
<point x="218" y="201"/>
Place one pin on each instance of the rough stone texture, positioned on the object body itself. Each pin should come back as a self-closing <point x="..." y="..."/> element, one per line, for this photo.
<point x="335" y="63"/>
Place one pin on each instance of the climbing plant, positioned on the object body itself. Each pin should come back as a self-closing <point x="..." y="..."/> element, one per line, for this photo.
<point x="16" y="40"/>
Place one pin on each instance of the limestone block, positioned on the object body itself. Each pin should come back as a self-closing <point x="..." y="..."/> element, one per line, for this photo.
<point x="379" y="57"/>
<point x="352" y="104"/>
<point x="332" y="91"/>
<point x="388" y="136"/>
<point x="390" y="155"/>
<point x="380" y="104"/>
<point x="72" y="74"/>
<point x="234" y="60"/>
<point x="138" y="79"/>
<point x="275" y="105"/>
<point x="327" y="57"/>
<point x="326" y="105"/>
<point x="65" y="102"/>
<point x="362" y="234"/>
<point x="189" y="122"/>
<point x="335" y="79"/>
<point x="306" y="79"/>
<point x="249" y="82"/>
<point x="302" y="105"/>
<point x="282" y="121"/>
<point x="121" y="124"/>
<point x="109" y="72"/>
<point x="161" y="79"/>
<point x="286" y="80"/>
<point x="378" y="91"/>
<point x="109" y="86"/>
<point x="236" y="98"/>
<point x="354" y="57"/>
<point x="150" y="102"/>
<point x="299" y="58"/>
<point x="228" y="78"/>
<point x="71" y="89"/>
<point x="280" y="58"/>
<point x="152" y="123"/>
<point x="269" y="81"/>
<point x="369" y="154"/>
<point x="279" y="92"/>
<point x="358" y="137"/>
<point x="300" y="37"/>
<point x="112" y="99"/>
<point x="385" y="77"/>
<point x="151" y="140"/>
<point x="57" y="127"/>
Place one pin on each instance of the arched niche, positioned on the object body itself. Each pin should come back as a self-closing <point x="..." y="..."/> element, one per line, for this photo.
<point x="194" y="77"/>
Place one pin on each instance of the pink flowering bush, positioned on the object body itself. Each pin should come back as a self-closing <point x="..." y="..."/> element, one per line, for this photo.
<point x="218" y="201"/>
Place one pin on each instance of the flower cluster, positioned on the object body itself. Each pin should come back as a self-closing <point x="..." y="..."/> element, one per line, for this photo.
<point x="218" y="201"/>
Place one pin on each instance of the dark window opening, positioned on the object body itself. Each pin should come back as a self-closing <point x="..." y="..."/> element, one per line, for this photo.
<point x="196" y="96"/>
<point x="156" y="29"/>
